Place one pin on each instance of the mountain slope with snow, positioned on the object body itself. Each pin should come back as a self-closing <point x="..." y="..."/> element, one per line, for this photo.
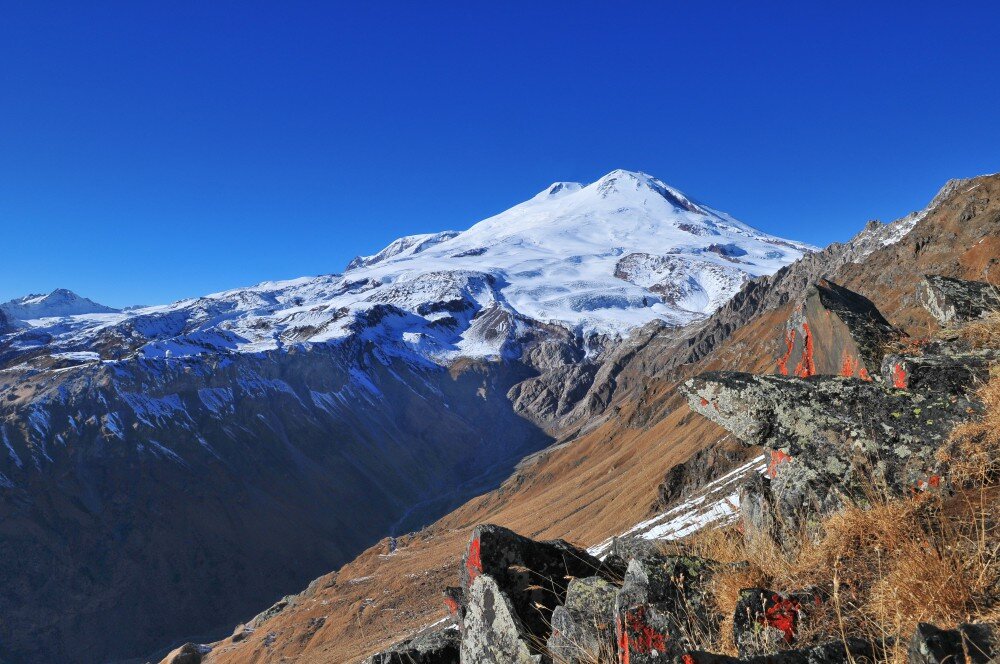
<point x="600" y="259"/>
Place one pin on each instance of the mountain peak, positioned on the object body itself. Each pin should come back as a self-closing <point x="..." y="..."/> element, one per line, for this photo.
<point x="58" y="303"/>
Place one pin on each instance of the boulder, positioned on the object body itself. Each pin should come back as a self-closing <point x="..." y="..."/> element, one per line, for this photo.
<point x="437" y="647"/>
<point x="765" y="621"/>
<point x="830" y="439"/>
<point x="973" y="643"/>
<point x="953" y="301"/>
<point x="189" y="653"/>
<point x="492" y="631"/>
<point x="663" y="603"/>
<point x="533" y="576"/>
<point x="583" y="628"/>
<point x="836" y="332"/>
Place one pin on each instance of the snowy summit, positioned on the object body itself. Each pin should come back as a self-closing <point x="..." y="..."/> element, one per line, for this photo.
<point x="599" y="259"/>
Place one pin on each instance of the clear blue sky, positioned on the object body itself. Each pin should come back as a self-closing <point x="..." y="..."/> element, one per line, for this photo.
<point x="156" y="150"/>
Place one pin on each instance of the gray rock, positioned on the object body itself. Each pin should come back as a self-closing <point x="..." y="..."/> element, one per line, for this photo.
<point x="583" y="628"/>
<point x="492" y="632"/>
<point x="837" y="332"/>
<point x="189" y="653"/>
<point x="662" y="606"/>
<point x="533" y="575"/>
<point x="956" y="300"/>
<point x="831" y="439"/>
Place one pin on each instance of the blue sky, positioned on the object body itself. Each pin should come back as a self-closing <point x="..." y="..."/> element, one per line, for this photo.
<point x="151" y="150"/>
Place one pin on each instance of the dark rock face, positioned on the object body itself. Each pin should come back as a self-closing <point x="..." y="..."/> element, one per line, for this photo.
<point x="438" y="647"/>
<point x="838" y="332"/>
<point x="583" y="628"/>
<point x="764" y="621"/>
<point x="829" y="438"/>
<point x="972" y="643"/>
<point x="956" y="300"/>
<point x="533" y="575"/>
<point x="662" y="604"/>
<point x="939" y="368"/>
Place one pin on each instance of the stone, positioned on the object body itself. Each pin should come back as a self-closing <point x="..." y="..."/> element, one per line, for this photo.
<point x="663" y="603"/>
<point x="953" y="301"/>
<point x="764" y="621"/>
<point x="189" y="653"/>
<point x="532" y="575"/>
<point x="836" y="332"/>
<point x="939" y="369"/>
<point x="583" y="628"/>
<point x="437" y="647"/>
<point x="492" y="631"/>
<point x="830" y="439"/>
<point x="977" y="643"/>
<point x="241" y="632"/>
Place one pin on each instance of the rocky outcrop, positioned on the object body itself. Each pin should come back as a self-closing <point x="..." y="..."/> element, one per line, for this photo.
<point x="843" y="651"/>
<point x="837" y="332"/>
<point x="955" y="300"/>
<point x="531" y="577"/>
<point x="830" y="439"/>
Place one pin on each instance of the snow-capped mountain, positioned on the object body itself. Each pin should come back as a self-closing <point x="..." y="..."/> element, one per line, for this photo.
<point x="599" y="259"/>
<point x="57" y="304"/>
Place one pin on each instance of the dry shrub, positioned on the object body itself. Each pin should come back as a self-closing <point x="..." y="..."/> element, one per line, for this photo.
<point x="983" y="333"/>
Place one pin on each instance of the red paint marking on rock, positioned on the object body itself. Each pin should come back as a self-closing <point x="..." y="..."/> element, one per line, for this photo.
<point x="898" y="376"/>
<point x="777" y="458"/>
<point x="789" y="344"/>
<point x="474" y="562"/>
<point x="807" y="365"/>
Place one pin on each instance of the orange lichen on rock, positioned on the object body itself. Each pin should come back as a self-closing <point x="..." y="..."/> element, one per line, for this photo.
<point x="777" y="458"/>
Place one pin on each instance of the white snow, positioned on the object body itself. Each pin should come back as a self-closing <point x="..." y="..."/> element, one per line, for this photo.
<point x="602" y="258"/>
<point x="715" y="504"/>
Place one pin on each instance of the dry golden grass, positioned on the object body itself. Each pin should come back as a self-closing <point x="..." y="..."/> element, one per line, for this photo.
<point x="983" y="333"/>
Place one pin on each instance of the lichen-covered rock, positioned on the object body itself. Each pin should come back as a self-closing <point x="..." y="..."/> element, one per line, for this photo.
<point x="848" y="651"/>
<point x="939" y="368"/>
<point x="532" y="575"/>
<point x="765" y="621"/>
<point x="955" y="300"/>
<point x="831" y="439"/>
<point x="837" y="332"/>
<point x="492" y="632"/>
<point x="437" y="647"/>
<point x="583" y="628"/>
<point x="662" y="605"/>
<point x="973" y="643"/>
